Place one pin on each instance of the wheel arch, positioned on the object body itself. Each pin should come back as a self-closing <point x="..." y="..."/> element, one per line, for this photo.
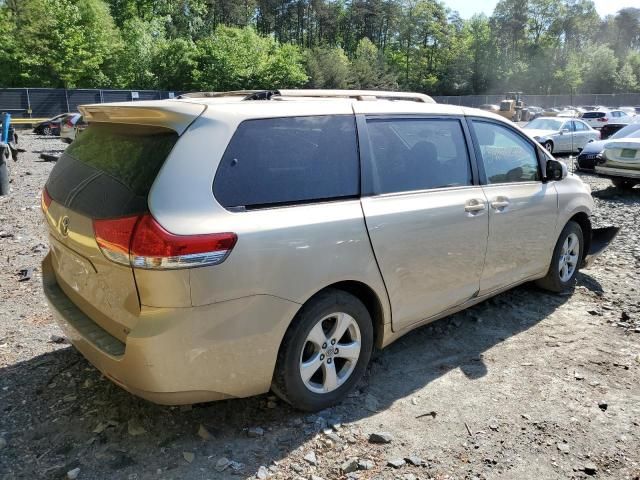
<point x="582" y="219"/>
<point x="368" y="297"/>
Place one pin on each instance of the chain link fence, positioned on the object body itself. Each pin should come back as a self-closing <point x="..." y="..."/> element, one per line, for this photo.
<point x="548" y="101"/>
<point x="48" y="102"/>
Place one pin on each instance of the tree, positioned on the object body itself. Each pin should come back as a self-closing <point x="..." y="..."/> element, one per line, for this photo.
<point x="328" y="68"/>
<point x="625" y="80"/>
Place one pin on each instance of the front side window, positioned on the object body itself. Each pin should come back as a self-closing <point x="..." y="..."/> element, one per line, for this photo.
<point x="506" y="156"/>
<point x="418" y="154"/>
<point x="280" y="161"/>
<point x="581" y="127"/>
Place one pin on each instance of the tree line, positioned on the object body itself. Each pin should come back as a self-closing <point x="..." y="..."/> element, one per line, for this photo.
<point x="537" y="46"/>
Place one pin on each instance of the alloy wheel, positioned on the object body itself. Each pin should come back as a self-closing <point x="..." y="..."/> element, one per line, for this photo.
<point x="330" y="353"/>
<point x="569" y="257"/>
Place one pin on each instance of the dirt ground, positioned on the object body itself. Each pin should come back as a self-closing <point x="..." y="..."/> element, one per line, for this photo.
<point x="527" y="385"/>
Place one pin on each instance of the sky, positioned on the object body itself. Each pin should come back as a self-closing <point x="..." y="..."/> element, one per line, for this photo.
<point x="468" y="7"/>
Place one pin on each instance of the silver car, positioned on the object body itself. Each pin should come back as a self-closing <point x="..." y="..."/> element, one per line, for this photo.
<point x="558" y="135"/>
<point x="224" y="245"/>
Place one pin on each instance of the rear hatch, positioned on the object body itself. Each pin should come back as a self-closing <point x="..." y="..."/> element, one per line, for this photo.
<point x="105" y="174"/>
<point x="595" y="119"/>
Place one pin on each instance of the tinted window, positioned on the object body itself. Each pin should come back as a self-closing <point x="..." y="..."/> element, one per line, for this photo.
<point x="506" y="156"/>
<point x="418" y="154"/>
<point x="289" y="160"/>
<point x="108" y="170"/>
<point x="593" y="115"/>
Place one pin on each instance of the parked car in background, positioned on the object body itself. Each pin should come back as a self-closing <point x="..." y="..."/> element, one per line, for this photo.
<point x="612" y="127"/>
<point x="560" y="135"/>
<point x="68" y="127"/>
<point x="161" y="213"/>
<point x="587" y="159"/>
<point x="631" y="111"/>
<point x="50" y="126"/>
<point x="488" y="107"/>
<point x="568" y="114"/>
<point x="598" y="119"/>
<point x="535" y="112"/>
<point x="620" y="161"/>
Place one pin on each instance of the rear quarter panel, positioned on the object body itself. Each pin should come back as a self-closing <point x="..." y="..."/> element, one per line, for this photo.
<point x="288" y="252"/>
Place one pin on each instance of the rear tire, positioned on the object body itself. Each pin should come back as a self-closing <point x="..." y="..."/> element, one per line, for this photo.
<point x="47" y="131"/>
<point x="623" y="183"/>
<point x="566" y="260"/>
<point x="310" y="374"/>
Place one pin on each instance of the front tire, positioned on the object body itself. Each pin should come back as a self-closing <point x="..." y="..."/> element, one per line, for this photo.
<point x="325" y="351"/>
<point x="548" y="145"/>
<point x="623" y="183"/>
<point x="566" y="260"/>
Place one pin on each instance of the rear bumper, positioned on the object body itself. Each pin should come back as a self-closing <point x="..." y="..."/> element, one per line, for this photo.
<point x="618" y="172"/>
<point x="182" y="355"/>
<point x="600" y="240"/>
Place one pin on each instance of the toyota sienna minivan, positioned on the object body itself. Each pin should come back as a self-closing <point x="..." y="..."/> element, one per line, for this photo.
<point x="224" y="245"/>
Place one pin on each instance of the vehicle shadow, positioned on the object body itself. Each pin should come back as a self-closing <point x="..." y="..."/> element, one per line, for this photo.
<point x="58" y="413"/>
<point x="614" y="193"/>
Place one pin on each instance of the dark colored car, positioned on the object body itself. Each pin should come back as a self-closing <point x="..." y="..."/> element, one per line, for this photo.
<point x="51" y="126"/>
<point x="587" y="157"/>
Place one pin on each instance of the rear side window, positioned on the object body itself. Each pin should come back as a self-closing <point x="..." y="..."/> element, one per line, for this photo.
<point x="593" y="115"/>
<point x="418" y="154"/>
<point x="280" y="161"/>
<point x="109" y="169"/>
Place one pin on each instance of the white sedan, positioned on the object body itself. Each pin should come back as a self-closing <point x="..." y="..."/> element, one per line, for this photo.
<point x="560" y="135"/>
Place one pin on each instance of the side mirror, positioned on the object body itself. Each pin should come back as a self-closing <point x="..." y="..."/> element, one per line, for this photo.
<point x="556" y="170"/>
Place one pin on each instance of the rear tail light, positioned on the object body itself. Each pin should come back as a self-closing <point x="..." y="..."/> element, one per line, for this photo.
<point x="603" y="119"/>
<point x="68" y="122"/>
<point x="46" y="200"/>
<point x="141" y="242"/>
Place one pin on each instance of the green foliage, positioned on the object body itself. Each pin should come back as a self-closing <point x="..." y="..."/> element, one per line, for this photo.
<point x="538" y="46"/>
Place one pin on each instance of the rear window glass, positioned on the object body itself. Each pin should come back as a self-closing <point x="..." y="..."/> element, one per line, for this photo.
<point x="109" y="169"/>
<point x="280" y="161"/>
<point x="593" y="115"/>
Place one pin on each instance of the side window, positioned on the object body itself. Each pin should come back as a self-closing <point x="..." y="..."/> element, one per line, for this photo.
<point x="418" y="154"/>
<point x="289" y="160"/>
<point x="571" y="126"/>
<point x="507" y="157"/>
<point x="581" y="127"/>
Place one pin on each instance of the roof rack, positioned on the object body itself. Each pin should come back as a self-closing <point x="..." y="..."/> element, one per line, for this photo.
<point x="232" y="93"/>
<point x="358" y="95"/>
<point x="361" y="95"/>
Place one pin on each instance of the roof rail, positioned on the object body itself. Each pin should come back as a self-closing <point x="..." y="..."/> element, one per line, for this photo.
<point x="232" y="93"/>
<point x="361" y="95"/>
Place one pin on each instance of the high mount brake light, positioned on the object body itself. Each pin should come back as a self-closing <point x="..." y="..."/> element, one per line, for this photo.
<point x="141" y="242"/>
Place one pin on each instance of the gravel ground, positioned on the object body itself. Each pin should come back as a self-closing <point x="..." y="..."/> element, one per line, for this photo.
<point x="527" y="385"/>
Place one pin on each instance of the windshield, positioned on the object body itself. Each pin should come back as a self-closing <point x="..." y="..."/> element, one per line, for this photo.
<point x="545" y="124"/>
<point x="630" y="131"/>
<point x="505" y="106"/>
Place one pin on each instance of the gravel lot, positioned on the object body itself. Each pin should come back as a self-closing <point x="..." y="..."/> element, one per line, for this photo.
<point x="527" y="385"/>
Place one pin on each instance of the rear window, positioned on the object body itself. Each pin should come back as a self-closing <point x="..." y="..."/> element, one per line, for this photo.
<point x="280" y="161"/>
<point x="109" y="169"/>
<point x="593" y="115"/>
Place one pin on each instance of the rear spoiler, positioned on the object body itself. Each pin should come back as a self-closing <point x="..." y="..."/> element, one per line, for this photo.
<point x="175" y="115"/>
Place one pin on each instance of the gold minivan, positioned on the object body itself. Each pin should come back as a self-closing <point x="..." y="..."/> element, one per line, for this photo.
<point x="222" y="245"/>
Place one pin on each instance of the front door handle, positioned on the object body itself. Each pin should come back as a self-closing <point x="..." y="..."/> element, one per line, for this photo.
<point x="474" y="206"/>
<point x="500" y="203"/>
